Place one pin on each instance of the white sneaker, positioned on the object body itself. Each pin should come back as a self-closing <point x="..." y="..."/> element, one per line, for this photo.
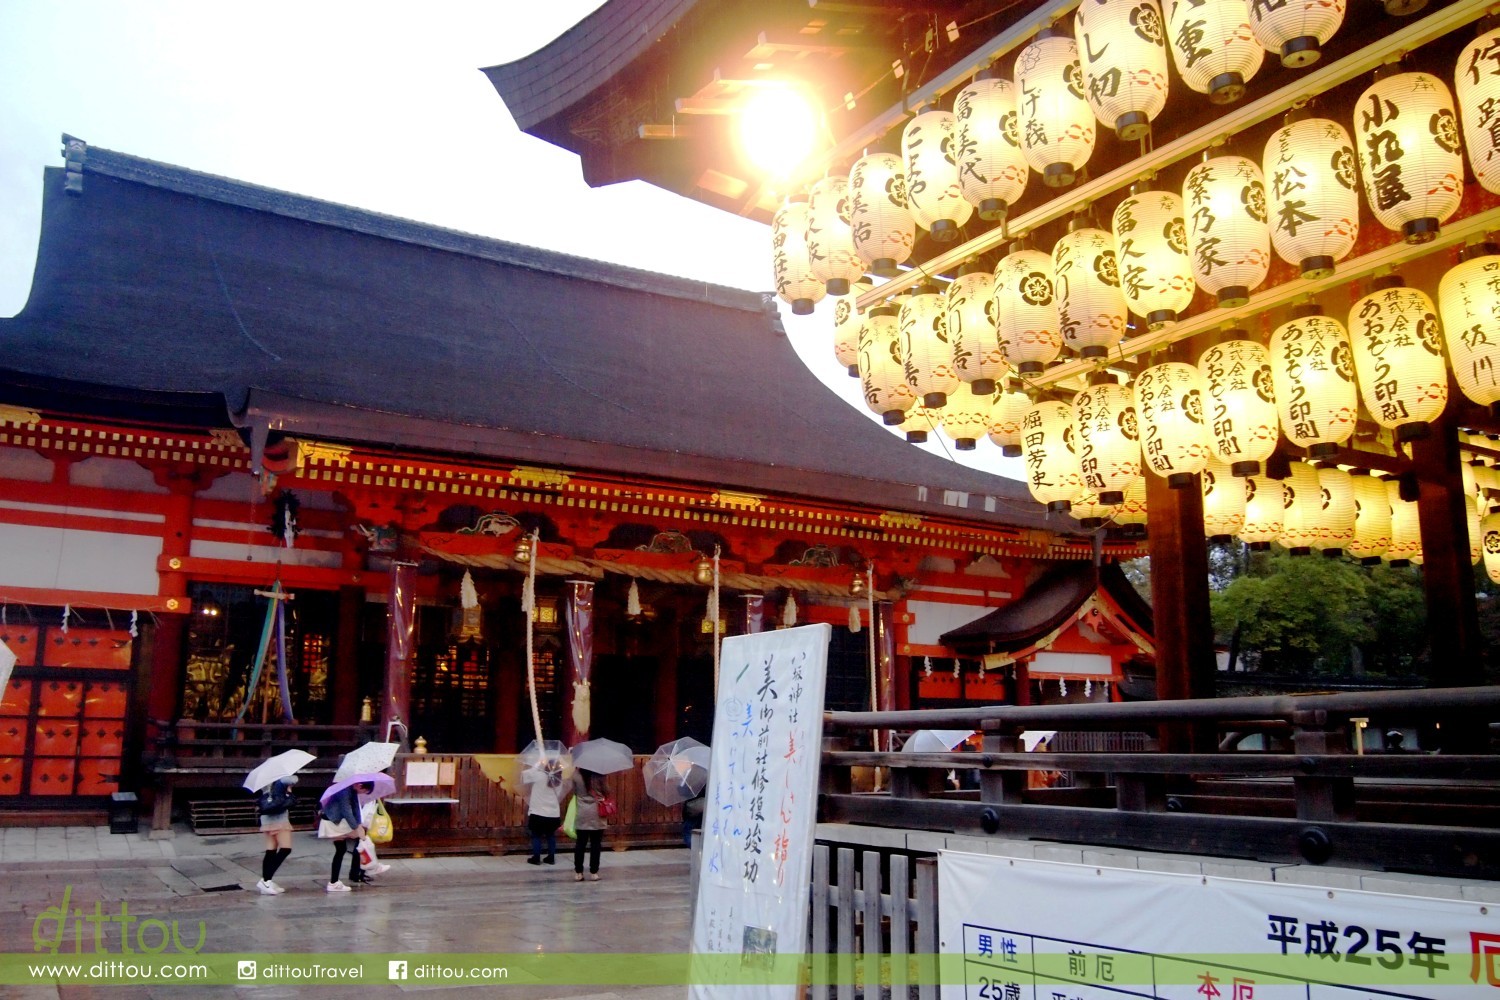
<point x="336" y="887"/>
<point x="379" y="868"/>
<point x="278" y="890"/>
<point x="265" y="888"/>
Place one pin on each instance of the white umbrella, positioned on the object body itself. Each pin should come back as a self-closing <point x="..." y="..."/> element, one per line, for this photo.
<point x="278" y="767"/>
<point x="603" y="756"/>
<point x="678" y="771"/>
<point x="550" y="762"/>
<point x="1032" y="737"/>
<point x="935" y="740"/>
<point x="368" y="759"/>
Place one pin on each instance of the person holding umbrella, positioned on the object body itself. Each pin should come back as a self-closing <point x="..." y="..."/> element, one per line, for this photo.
<point x="588" y="821"/>
<point x="343" y="824"/>
<point x="272" y="780"/>
<point x="544" y="811"/>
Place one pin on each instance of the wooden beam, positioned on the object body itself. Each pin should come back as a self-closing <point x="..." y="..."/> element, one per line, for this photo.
<point x="1183" y="632"/>
<point x="1456" y="650"/>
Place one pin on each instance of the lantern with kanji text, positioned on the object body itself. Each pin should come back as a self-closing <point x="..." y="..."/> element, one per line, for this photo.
<point x="1109" y="445"/>
<point x="1123" y="54"/>
<point x="1025" y="311"/>
<point x="925" y="351"/>
<point x="1229" y="241"/>
<point x="992" y="171"/>
<point x="1213" y="46"/>
<point x="1398" y="357"/>
<point x="830" y="241"/>
<point x="1055" y="120"/>
<point x="881" y="371"/>
<point x="1312" y="186"/>
<point x="933" y="195"/>
<point x="1241" y="403"/>
<point x="795" y="282"/>
<point x="1052" y="472"/>
<point x="878" y="217"/>
<point x="977" y="357"/>
<point x="1411" y="160"/>
<point x="1469" y="302"/>
<point x="1151" y="254"/>
<point x="1169" y="405"/>
<point x="1312" y="368"/>
<point x="1091" y="310"/>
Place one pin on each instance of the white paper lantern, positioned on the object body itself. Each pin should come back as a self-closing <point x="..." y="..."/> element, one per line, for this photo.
<point x="992" y="171"/>
<point x="795" y="282"/>
<point x="1304" y="507"/>
<point x="1295" y="30"/>
<point x="1174" y="438"/>
<point x="1006" y="414"/>
<point x="1223" y="501"/>
<point x="1265" y="511"/>
<point x="1109" y="444"/>
<point x="919" y="423"/>
<point x="966" y="417"/>
<point x="933" y="195"/>
<point x="1090" y="513"/>
<point x="1406" y="530"/>
<point x="1056" y="123"/>
<point x="1336" y="520"/>
<point x="925" y="350"/>
<point x="1398" y="357"/>
<point x="977" y="357"/>
<point x="1091" y="310"/>
<point x="1312" y="368"/>
<point x="881" y="370"/>
<point x="1312" y="187"/>
<point x="1051" y="463"/>
<point x="1410" y="153"/>
<point x="830" y="241"/>
<point x="1212" y="46"/>
<point x="1490" y="545"/>
<point x="1240" y="406"/>
<point x="1123" y="54"/>
<point x="1132" y="514"/>
<point x="1372" y="519"/>
<point x="1469" y="302"/>
<point x="1476" y="83"/>
<point x="1026" y="311"/>
<point x="1476" y="531"/>
<point x="847" y="320"/>
<point x="1151" y="253"/>
<point x="1229" y="239"/>
<point x="878" y="217"/>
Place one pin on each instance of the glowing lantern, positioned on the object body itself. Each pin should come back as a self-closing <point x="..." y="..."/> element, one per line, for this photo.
<point x="1213" y="47"/>
<point x="1314" y="199"/>
<point x="1025" y="311"/>
<point x="1006" y="414"/>
<point x="977" y="357"/>
<point x="1051" y="464"/>
<point x="881" y="372"/>
<point x="1124" y="59"/>
<point x="1223" y="501"/>
<point x="1091" y="310"/>
<point x="933" y="196"/>
<point x="1109" y="445"/>
<point x="1477" y="85"/>
<point x="847" y="320"/>
<point x="966" y="417"/>
<point x="992" y="171"/>
<point x="1406" y="532"/>
<point x="1372" y="520"/>
<point x="925" y="350"/>
<point x="830" y="241"/>
<point x="1304" y="507"/>
<point x="1399" y="358"/>
<point x="1228" y="237"/>
<point x="1056" y="123"/>
<point x="1174" y="439"/>
<point x="1089" y="512"/>
<point x="1296" y="30"/>
<point x="1241" y="404"/>
<point x="918" y="423"/>
<point x="1265" y="511"/>
<point x="1469" y="301"/>
<point x="1489" y="544"/>
<point x="1151" y="252"/>
<point x="1132" y="513"/>
<point x="1410" y="162"/>
<point x="1336" y="520"/>
<point x="882" y="226"/>
<point x="1476" y="531"/>
<point x="1312" y="368"/>
<point x="795" y="282"/>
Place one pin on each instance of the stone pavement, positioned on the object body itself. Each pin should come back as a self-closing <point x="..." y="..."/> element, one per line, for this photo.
<point x="469" y="905"/>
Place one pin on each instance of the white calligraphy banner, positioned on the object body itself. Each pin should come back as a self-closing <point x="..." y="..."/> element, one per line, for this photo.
<point x="761" y="808"/>
<point x="1036" y="930"/>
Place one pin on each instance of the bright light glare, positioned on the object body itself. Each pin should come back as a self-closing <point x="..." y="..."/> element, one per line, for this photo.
<point x="778" y="128"/>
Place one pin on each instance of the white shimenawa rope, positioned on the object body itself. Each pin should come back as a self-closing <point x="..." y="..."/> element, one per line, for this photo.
<point x="713" y="615"/>
<point x="528" y="607"/>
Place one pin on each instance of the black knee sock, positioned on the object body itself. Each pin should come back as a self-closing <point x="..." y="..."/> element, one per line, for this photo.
<point x="273" y="861"/>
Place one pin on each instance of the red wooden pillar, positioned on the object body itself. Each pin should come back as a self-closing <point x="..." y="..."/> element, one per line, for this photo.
<point x="169" y="644"/>
<point x="1179" y="597"/>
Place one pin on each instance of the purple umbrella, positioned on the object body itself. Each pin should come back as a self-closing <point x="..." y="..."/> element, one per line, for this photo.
<point x="384" y="785"/>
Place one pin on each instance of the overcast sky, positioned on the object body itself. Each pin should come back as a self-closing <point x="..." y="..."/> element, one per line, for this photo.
<point x="378" y="105"/>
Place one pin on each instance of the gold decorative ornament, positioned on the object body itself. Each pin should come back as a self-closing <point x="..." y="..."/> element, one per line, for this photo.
<point x="523" y="550"/>
<point x="703" y="571"/>
<point x="420" y="746"/>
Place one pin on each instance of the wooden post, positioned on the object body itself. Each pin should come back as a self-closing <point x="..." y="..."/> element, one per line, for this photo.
<point x="1179" y="600"/>
<point x="343" y="682"/>
<point x="1456" y="651"/>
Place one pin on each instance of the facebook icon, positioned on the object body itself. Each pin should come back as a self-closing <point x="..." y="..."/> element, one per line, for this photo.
<point x="395" y="969"/>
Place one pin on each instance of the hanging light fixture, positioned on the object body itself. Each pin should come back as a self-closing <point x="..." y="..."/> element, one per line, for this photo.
<point x="1372" y="518"/>
<point x="1132" y="513"/>
<point x="523" y="551"/>
<point x="925" y="351"/>
<point x="966" y="417"/>
<point x="1229" y="239"/>
<point x="933" y="195"/>
<point x="1056" y="123"/>
<point x="1476" y="530"/>
<point x="847" y="319"/>
<point x="1476" y="83"/>
<point x="1241" y="402"/>
<point x="1174" y="439"/>
<point x="1109" y="445"/>
<point x="1313" y="192"/>
<point x="1398" y="357"/>
<point x="857" y="583"/>
<point x="1265" y="511"/>
<point x="830" y="241"/>
<point x="1123" y="55"/>
<point x="1151" y="253"/>
<point x="1490" y="545"/>
<point x="795" y="282"/>
<point x="1406" y="530"/>
<point x="977" y="358"/>
<point x="1469" y="302"/>
<point x="1213" y="47"/>
<point x="1025" y="310"/>
<point x="1006" y="414"/>
<point x="881" y="373"/>
<point x="703" y="571"/>
<point x="1090" y="513"/>
<point x="920" y="421"/>
<point x="1296" y="30"/>
<point x="1223" y="501"/>
<point x="1052" y="471"/>
<point x="1410" y="159"/>
<point x="992" y="171"/>
<point x="878" y="217"/>
<point x="1091" y="310"/>
<point x="1304" y="506"/>
<point x="1336" y="519"/>
<point x="1312" y="368"/>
